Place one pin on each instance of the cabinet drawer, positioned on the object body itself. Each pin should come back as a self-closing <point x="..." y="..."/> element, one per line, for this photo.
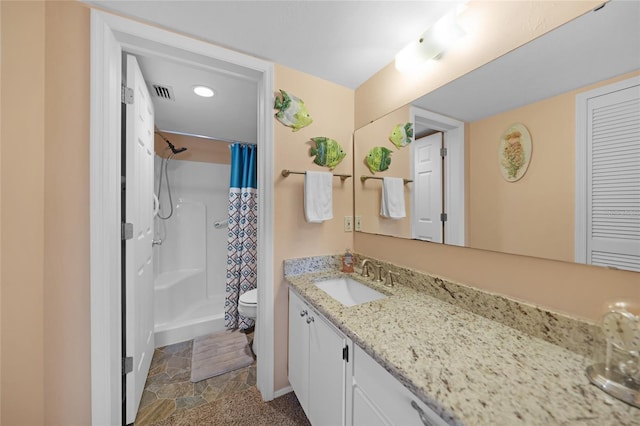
<point x="377" y="394"/>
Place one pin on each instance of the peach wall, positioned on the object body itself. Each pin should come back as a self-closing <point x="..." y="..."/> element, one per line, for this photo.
<point x="198" y="149"/>
<point x="535" y="215"/>
<point x="1" y="49"/>
<point x="331" y="107"/>
<point x="22" y="202"/>
<point x="367" y="195"/>
<point x="67" y="368"/>
<point x="493" y="27"/>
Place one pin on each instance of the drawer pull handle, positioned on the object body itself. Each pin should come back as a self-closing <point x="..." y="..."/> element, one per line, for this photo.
<point x="309" y="320"/>
<point x="421" y="413"/>
<point x="303" y="313"/>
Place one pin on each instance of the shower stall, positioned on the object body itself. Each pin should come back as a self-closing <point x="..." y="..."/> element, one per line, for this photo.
<point x="190" y="248"/>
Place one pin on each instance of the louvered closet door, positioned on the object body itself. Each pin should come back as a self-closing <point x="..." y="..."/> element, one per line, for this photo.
<point x="613" y="141"/>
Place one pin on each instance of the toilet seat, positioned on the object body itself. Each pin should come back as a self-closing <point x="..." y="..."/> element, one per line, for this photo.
<point x="250" y="297"/>
<point x="248" y="304"/>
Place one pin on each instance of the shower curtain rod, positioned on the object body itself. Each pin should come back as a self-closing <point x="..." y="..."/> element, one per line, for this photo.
<point x="203" y="137"/>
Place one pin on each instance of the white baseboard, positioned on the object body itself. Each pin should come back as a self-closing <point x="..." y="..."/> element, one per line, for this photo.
<point x="282" y="391"/>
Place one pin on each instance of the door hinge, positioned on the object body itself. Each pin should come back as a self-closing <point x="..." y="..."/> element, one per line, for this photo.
<point x="127" y="365"/>
<point x="443" y="152"/>
<point x="126" y="95"/>
<point x="127" y="231"/>
<point x="443" y="217"/>
<point x="345" y="353"/>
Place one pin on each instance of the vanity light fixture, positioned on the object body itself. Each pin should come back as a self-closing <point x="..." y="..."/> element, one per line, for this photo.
<point x="433" y="42"/>
<point x="203" y="91"/>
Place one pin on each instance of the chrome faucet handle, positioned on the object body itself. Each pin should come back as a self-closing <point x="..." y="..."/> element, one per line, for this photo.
<point x="390" y="278"/>
<point x="378" y="273"/>
<point x="364" y="268"/>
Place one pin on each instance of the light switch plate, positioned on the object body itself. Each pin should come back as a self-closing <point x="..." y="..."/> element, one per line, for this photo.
<point x="358" y="224"/>
<point x="348" y="223"/>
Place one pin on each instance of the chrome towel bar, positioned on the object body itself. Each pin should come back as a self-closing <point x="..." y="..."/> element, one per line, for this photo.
<point x="286" y="173"/>
<point x="363" y="178"/>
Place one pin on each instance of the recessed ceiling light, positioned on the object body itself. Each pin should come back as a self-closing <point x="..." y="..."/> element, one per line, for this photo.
<point x="203" y="91"/>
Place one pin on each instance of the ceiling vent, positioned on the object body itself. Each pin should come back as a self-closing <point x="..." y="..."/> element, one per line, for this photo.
<point x="162" y="92"/>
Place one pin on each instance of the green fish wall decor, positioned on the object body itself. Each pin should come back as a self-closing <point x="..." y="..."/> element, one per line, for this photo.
<point x="328" y="152"/>
<point x="292" y="111"/>
<point x="402" y="135"/>
<point x="378" y="159"/>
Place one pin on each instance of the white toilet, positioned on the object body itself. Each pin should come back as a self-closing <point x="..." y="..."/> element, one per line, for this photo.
<point x="248" y="307"/>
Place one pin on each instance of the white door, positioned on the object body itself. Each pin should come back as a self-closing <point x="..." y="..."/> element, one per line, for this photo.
<point x="139" y="212"/>
<point x="299" y="349"/>
<point x="613" y="179"/>
<point x="427" y="188"/>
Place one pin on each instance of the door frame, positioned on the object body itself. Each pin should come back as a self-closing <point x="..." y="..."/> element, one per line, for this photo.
<point x="582" y="162"/>
<point x="109" y="34"/>
<point x="454" y="171"/>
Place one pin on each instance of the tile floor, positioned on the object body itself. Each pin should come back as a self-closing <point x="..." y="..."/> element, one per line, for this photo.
<point x="169" y="391"/>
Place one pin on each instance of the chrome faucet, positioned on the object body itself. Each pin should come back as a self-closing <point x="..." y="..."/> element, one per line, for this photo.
<point x="378" y="273"/>
<point x="390" y="280"/>
<point x="377" y="270"/>
<point x="365" y="268"/>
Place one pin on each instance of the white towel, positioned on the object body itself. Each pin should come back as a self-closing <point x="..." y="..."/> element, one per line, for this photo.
<point x="318" y="204"/>
<point x="392" y="205"/>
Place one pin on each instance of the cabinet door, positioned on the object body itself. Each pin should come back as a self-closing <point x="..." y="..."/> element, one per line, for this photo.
<point x="299" y="349"/>
<point x="326" y="374"/>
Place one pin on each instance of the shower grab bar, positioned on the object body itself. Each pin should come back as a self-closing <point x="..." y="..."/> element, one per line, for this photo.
<point x="364" y="178"/>
<point x="221" y="223"/>
<point x="156" y="205"/>
<point x="286" y="173"/>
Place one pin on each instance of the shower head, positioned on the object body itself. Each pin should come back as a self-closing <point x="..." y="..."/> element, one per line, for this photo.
<point x="174" y="150"/>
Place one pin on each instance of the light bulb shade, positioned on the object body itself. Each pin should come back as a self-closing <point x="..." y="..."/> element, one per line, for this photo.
<point x="203" y="91"/>
<point x="433" y="42"/>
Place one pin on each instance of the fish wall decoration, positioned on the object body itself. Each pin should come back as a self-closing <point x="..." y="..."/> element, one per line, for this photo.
<point x="328" y="152"/>
<point x="292" y="111"/>
<point x="402" y="135"/>
<point x="378" y="159"/>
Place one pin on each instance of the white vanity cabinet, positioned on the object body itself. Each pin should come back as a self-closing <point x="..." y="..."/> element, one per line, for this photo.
<point x="317" y="364"/>
<point x="338" y="384"/>
<point x="378" y="398"/>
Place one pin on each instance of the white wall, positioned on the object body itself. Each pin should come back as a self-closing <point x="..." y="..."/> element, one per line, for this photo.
<point x="188" y="238"/>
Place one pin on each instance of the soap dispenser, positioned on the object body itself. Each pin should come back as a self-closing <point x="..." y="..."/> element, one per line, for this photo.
<point x="347" y="261"/>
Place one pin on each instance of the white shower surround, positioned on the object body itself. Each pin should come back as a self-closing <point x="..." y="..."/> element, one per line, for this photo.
<point x="190" y="265"/>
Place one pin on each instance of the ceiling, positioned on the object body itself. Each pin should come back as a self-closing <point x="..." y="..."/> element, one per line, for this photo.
<point x="346" y="42"/>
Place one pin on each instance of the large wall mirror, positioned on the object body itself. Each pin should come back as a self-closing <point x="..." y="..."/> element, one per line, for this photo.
<point x="539" y="86"/>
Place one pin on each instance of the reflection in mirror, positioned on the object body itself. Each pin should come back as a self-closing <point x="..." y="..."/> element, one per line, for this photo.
<point x="538" y="85"/>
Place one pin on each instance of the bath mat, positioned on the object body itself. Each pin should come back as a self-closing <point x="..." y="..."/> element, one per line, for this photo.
<point x="219" y="353"/>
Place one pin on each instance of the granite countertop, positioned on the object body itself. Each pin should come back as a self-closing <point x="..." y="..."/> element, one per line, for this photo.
<point x="468" y="369"/>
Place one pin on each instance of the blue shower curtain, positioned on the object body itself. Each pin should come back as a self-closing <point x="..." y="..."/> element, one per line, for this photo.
<point x="242" y="237"/>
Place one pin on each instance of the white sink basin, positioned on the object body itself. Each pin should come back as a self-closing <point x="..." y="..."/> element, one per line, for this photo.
<point x="348" y="292"/>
